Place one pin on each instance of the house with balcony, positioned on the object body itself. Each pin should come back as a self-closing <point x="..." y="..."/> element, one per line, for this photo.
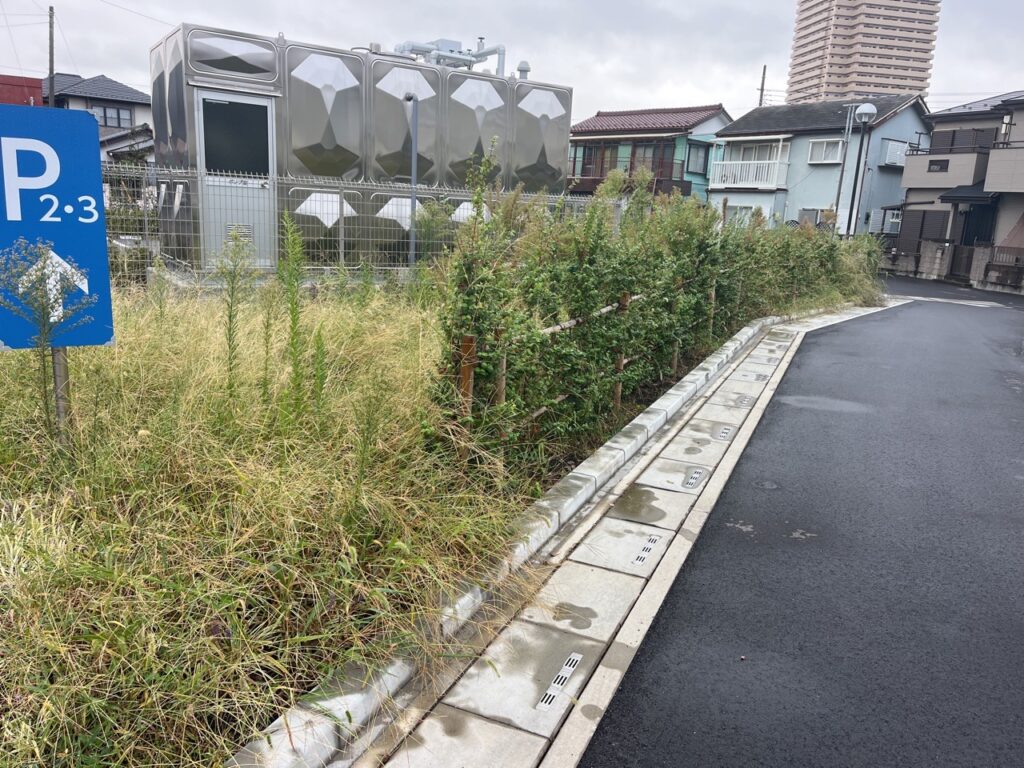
<point x="787" y="162"/>
<point x="962" y="216"/>
<point x="673" y="143"/>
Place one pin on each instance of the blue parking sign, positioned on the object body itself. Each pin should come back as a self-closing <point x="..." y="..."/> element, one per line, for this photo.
<point x="51" y="190"/>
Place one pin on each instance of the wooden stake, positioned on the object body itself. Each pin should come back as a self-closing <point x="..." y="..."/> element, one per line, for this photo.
<point x="501" y="382"/>
<point x="467" y="368"/>
<point x="620" y="358"/>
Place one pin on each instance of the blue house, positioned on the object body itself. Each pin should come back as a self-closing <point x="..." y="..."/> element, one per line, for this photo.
<point x="787" y="160"/>
<point x="673" y="143"/>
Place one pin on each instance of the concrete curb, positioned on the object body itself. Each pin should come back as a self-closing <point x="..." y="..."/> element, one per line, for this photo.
<point x="310" y="733"/>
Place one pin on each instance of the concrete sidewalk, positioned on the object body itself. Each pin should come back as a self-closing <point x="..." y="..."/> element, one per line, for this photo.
<point x="539" y="689"/>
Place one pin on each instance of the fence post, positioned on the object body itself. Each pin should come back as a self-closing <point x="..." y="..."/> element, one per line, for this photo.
<point x="501" y="381"/>
<point x="620" y="357"/>
<point x="467" y="367"/>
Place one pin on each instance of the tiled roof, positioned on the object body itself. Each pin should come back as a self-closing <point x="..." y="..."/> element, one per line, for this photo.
<point x="982" y="105"/>
<point x="819" y="116"/>
<point x="642" y="120"/>
<point x="61" y="80"/>
<point x="99" y="87"/>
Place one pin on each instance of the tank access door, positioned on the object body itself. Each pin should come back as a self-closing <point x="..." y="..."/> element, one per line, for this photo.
<point x="236" y="166"/>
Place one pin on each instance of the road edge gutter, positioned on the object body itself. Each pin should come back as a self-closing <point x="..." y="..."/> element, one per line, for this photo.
<point x="574" y="736"/>
<point x="336" y="714"/>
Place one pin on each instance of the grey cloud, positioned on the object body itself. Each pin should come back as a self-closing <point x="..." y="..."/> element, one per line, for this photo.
<point x="616" y="54"/>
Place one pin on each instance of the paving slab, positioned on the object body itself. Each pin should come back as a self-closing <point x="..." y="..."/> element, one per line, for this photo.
<point x="519" y="679"/>
<point x="700" y="449"/>
<point x="725" y="414"/>
<point x="653" y="506"/>
<point x="739" y="386"/>
<point x="756" y="367"/>
<point x="763" y="358"/>
<point x="672" y="475"/>
<point x="584" y="600"/>
<point x="620" y="545"/>
<point x="757" y="377"/>
<point x="733" y="399"/>
<point x="716" y="430"/>
<point x="452" y="738"/>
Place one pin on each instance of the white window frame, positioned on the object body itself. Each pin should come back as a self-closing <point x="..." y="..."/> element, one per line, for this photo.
<point x="824" y="143"/>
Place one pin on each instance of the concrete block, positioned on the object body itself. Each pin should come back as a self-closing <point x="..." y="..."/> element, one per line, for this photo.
<point x="509" y="682"/>
<point x="569" y="494"/>
<point x="670" y="403"/>
<point x="652" y="420"/>
<point x="538" y="528"/>
<point x="298" y="739"/>
<point x="355" y="694"/>
<point x="629" y="440"/>
<point x="460" y="610"/>
<point x="584" y="600"/>
<point x="620" y="545"/>
<point x="653" y="506"/>
<point x="602" y="464"/>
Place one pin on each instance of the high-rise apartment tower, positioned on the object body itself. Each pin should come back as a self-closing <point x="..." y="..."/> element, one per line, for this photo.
<point x="853" y="48"/>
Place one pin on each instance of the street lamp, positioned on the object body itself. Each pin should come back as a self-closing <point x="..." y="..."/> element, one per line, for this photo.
<point x="864" y="115"/>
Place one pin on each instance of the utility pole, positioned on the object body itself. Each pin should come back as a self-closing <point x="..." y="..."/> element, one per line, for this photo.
<point x="52" y="99"/>
<point x="764" y="75"/>
<point x="59" y="355"/>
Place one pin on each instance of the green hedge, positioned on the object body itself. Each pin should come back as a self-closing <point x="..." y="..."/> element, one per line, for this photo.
<point x="518" y="268"/>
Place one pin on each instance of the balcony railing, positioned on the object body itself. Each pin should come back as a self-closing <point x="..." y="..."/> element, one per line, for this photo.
<point x="667" y="176"/>
<point x="755" y="174"/>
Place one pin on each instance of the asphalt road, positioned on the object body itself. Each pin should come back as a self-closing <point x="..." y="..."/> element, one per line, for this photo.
<point x="857" y="596"/>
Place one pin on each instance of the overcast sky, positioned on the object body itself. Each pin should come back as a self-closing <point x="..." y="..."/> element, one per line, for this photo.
<point x="616" y="54"/>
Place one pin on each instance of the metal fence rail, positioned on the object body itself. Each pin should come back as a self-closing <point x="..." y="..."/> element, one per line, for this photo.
<point x="185" y="217"/>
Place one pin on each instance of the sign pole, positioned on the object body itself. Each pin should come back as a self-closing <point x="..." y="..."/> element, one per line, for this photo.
<point x="61" y="382"/>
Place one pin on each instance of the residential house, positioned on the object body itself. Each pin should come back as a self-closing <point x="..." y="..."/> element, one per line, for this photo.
<point x="788" y="161"/>
<point x="673" y="143"/>
<point x="965" y="194"/>
<point x="124" y="114"/>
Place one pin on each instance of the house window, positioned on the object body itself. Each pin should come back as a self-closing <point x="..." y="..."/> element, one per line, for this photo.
<point x="113" y="117"/>
<point x="760" y="152"/>
<point x="609" y="159"/>
<point x="697" y="159"/>
<point x="739" y="213"/>
<point x="656" y="157"/>
<point x="825" y="151"/>
<point x="938" y="166"/>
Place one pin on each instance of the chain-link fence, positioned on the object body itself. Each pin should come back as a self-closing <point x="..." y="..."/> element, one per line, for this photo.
<point x="184" y="217"/>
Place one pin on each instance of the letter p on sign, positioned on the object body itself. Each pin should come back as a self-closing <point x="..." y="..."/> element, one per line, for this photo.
<point x="14" y="183"/>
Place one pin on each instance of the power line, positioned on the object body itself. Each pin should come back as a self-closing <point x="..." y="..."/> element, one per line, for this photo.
<point x="17" y="58"/>
<point x="66" y="44"/>
<point x="137" y="13"/>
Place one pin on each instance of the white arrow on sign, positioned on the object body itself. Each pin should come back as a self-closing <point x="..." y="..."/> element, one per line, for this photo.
<point x="55" y="269"/>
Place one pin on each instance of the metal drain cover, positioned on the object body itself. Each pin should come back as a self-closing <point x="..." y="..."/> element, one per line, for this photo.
<point x="646" y="550"/>
<point x="559" y="681"/>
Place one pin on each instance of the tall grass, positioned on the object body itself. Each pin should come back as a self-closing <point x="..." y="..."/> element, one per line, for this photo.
<point x="167" y="587"/>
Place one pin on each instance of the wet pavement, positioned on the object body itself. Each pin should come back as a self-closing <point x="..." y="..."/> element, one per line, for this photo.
<point x="510" y="704"/>
<point x="857" y="596"/>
